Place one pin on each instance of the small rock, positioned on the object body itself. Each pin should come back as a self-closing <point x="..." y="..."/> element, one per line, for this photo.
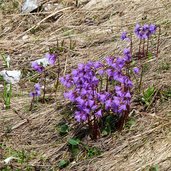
<point x="29" y="6"/>
<point x="25" y="37"/>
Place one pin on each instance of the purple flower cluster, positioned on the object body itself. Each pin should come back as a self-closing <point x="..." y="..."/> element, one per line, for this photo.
<point x="37" y="91"/>
<point x="40" y="64"/>
<point x="145" y="31"/>
<point x="93" y="97"/>
<point x="51" y="58"/>
<point x="124" y="36"/>
<point x="37" y="67"/>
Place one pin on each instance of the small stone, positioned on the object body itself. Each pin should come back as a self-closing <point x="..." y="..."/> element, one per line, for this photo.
<point x="29" y="6"/>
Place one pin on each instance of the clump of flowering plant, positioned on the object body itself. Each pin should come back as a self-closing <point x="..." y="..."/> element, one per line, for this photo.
<point x="40" y="67"/>
<point x="144" y="33"/>
<point x="98" y="89"/>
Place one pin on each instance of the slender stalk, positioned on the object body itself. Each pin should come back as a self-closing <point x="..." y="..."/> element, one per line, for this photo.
<point x="131" y="45"/>
<point x="107" y="83"/>
<point x="139" y="51"/>
<point x="147" y="47"/>
<point x="141" y="77"/>
<point x="58" y="74"/>
<point x="7" y="95"/>
<point x="44" y="88"/>
<point x="96" y="132"/>
<point x="143" y="50"/>
<point x="158" y="42"/>
<point x="101" y="83"/>
<point x="31" y="104"/>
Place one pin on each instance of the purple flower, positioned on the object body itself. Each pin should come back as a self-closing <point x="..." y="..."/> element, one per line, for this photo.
<point x="51" y="58"/>
<point x="99" y="113"/>
<point x="37" y="90"/>
<point x="97" y="64"/>
<point x="123" y="107"/>
<point x="37" y="67"/>
<point x="80" y="116"/>
<point x="120" y="62"/>
<point x="108" y="104"/>
<point x="127" y="55"/>
<point x="123" y="35"/>
<point x="37" y="87"/>
<point x="109" y="72"/>
<point x="116" y="101"/>
<point x="109" y="60"/>
<point x="136" y="70"/>
<point x="90" y="97"/>
<point x="152" y="29"/>
<point x="70" y="95"/>
<point x="80" y="101"/>
<point x="145" y="31"/>
<point x="128" y="95"/>
<point x="101" y="72"/>
<point x="80" y="66"/>
<point x="117" y="88"/>
<point x="126" y="51"/>
<point x="127" y="82"/>
<point x="103" y="97"/>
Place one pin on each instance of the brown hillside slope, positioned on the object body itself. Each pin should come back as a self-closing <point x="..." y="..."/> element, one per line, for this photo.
<point x="95" y="26"/>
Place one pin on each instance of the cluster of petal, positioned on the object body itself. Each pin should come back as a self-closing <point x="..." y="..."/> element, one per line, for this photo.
<point x="40" y="64"/>
<point x="145" y="31"/>
<point x="124" y="36"/>
<point x="136" y="70"/>
<point x="37" y="91"/>
<point x="51" y="58"/>
<point x="84" y="87"/>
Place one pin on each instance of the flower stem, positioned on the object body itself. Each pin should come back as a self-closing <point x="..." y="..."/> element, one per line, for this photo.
<point x="143" y="51"/>
<point x="141" y="77"/>
<point x="31" y="104"/>
<point x="158" y="42"/>
<point x="44" y="88"/>
<point x="139" y="51"/>
<point x="107" y="83"/>
<point x="147" y="47"/>
<point x="58" y="74"/>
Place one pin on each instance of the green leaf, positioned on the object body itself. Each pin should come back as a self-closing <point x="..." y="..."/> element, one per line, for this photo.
<point x="63" y="129"/>
<point x="104" y="133"/>
<point x="150" y="55"/>
<point x="148" y="94"/>
<point x="131" y="122"/>
<point x="154" y="168"/>
<point x="63" y="163"/>
<point x="73" y="142"/>
<point x="93" y="151"/>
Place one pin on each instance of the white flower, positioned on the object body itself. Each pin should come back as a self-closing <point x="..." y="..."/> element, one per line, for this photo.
<point x="7" y="160"/>
<point x="43" y="61"/>
<point x="12" y="77"/>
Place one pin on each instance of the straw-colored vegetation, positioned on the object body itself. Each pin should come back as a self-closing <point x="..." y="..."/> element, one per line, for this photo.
<point x="89" y="31"/>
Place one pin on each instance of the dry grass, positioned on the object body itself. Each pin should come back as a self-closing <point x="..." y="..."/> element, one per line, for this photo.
<point x="95" y="26"/>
